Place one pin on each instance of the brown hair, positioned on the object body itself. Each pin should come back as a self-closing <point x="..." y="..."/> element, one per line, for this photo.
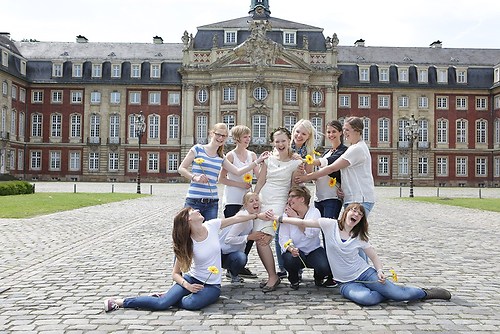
<point x="337" y="126"/>
<point x="361" y="228"/>
<point x="286" y="132"/>
<point x="221" y="126"/>
<point x="356" y="123"/>
<point x="181" y="237"/>
<point x="302" y="192"/>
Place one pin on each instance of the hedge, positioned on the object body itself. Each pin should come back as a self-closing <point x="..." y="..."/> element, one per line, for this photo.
<point x="16" y="188"/>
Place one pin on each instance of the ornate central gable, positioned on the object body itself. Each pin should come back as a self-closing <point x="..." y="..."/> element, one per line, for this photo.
<point x="258" y="50"/>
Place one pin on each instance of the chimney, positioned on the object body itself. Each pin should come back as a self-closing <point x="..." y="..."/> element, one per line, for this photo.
<point x="157" y="40"/>
<point x="81" y="39"/>
<point x="437" y="44"/>
<point x="360" y="42"/>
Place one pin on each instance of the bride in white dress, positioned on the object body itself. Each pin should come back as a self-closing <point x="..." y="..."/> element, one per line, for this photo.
<point x="273" y="184"/>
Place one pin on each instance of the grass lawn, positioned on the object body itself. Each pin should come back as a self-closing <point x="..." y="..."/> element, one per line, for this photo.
<point x="487" y="204"/>
<point x="25" y="206"/>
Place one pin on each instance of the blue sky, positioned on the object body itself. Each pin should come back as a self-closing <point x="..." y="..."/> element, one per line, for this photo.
<point x="457" y="23"/>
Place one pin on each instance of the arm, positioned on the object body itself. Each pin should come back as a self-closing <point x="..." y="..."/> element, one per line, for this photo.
<point x="225" y="222"/>
<point x="337" y="165"/>
<point x="240" y="171"/>
<point x="256" y="170"/>
<point x="184" y="168"/>
<point x="372" y="255"/>
<point x="294" y="221"/>
<point x="261" y="181"/>
<point x="177" y="277"/>
<point x="224" y="180"/>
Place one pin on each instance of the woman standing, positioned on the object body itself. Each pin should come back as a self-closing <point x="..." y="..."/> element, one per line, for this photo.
<point x="206" y="162"/>
<point x="197" y="251"/>
<point x="301" y="246"/>
<point x="303" y="140"/>
<point x="355" y="166"/>
<point x="274" y="183"/>
<point x="361" y="283"/>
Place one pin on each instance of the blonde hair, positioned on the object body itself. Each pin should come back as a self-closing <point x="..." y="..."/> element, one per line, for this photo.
<point x="309" y="143"/>
<point x="239" y="131"/>
<point x="219" y="126"/>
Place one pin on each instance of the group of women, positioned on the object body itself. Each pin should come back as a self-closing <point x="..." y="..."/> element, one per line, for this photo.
<point x="278" y="208"/>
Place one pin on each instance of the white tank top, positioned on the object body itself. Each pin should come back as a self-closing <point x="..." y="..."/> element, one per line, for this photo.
<point x="234" y="195"/>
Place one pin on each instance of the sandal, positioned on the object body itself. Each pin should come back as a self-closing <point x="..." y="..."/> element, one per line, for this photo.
<point x="263" y="283"/>
<point x="271" y="288"/>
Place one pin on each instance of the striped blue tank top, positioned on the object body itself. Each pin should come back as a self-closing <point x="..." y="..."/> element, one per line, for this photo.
<point x="211" y="167"/>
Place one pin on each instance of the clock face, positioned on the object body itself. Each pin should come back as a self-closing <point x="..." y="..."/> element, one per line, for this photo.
<point x="259" y="10"/>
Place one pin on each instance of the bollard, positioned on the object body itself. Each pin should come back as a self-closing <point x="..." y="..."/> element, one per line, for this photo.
<point x="400" y="191"/>
<point x="437" y="192"/>
<point x="112" y="188"/>
<point x="74" y="188"/>
<point x="479" y="193"/>
<point x="151" y="189"/>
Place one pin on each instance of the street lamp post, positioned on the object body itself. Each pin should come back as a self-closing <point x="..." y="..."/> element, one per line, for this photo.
<point x="412" y="134"/>
<point x="140" y="127"/>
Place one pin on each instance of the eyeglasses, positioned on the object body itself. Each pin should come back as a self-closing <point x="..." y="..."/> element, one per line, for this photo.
<point x="220" y="135"/>
<point x="355" y="210"/>
<point x="293" y="196"/>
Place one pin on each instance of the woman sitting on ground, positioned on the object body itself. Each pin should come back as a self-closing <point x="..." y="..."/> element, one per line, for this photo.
<point x="197" y="251"/>
<point x="361" y="283"/>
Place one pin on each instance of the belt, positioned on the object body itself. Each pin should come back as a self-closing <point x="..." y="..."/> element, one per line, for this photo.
<point x="204" y="200"/>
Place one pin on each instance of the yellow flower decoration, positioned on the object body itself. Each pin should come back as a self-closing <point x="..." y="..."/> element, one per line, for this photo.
<point x="287" y="244"/>
<point x="213" y="270"/>
<point x="332" y="182"/>
<point x="309" y="159"/>
<point x="316" y="153"/>
<point x="247" y="178"/>
<point x="394" y="275"/>
<point x="275" y="225"/>
<point x="199" y="161"/>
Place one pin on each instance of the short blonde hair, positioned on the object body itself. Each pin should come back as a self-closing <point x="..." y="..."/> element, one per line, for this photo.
<point x="239" y="131"/>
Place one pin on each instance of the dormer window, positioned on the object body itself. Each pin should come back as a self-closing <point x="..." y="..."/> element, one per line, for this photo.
<point x="442" y="75"/>
<point x="364" y="74"/>
<point x="230" y="37"/>
<point x="289" y="37"/>
<point x="403" y="74"/>
<point x="461" y="75"/>
<point x="57" y="70"/>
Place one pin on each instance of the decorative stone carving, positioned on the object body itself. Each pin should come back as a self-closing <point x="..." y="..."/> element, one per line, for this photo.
<point x="185" y="40"/>
<point x="335" y="40"/>
<point x="305" y="43"/>
<point x="259" y="50"/>
<point x="215" y="41"/>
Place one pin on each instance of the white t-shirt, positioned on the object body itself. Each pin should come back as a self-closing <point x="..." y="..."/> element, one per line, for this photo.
<point x="206" y="253"/>
<point x="306" y="241"/>
<point x="357" y="178"/>
<point x="234" y="238"/>
<point x="343" y="257"/>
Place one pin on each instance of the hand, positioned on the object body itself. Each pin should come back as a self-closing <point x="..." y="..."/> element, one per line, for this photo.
<point x="244" y="185"/>
<point x="267" y="215"/>
<point x="296" y="156"/>
<point x="256" y="236"/>
<point x="294" y="251"/>
<point x="262" y="157"/>
<point x="381" y="277"/>
<point x="340" y="193"/>
<point x="265" y="240"/>
<point x="193" y="288"/>
<point x="301" y="178"/>
<point x="291" y="212"/>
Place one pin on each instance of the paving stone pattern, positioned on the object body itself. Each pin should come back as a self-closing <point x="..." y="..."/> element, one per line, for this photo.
<point x="56" y="269"/>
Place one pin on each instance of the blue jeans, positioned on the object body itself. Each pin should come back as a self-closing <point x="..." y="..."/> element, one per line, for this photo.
<point x="373" y="293"/>
<point x="316" y="259"/>
<point x="279" y="257"/>
<point x="329" y="208"/>
<point x="234" y="262"/>
<point x="209" y="208"/>
<point x="177" y="296"/>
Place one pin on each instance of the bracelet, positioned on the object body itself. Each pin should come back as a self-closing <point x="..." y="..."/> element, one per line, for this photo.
<point x="192" y="177"/>
<point x="280" y="219"/>
<point x="380" y="271"/>
<point x="182" y="283"/>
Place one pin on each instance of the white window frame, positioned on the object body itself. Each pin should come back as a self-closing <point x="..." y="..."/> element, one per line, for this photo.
<point x="113" y="161"/>
<point x="442" y="166"/>
<point x="201" y="129"/>
<point x="403" y="74"/>
<point x="229" y="94"/>
<point x="173" y="127"/>
<point x="36" y="160"/>
<point x="403" y="165"/>
<point x="461" y="166"/>
<point x="442" y="75"/>
<point x="172" y="162"/>
<point x="461" y="75"/>
<point x="442" y="131"/>
<point x="259" y="129"/>
<point x="260" y="93"/>
<point x="481" y="166"/>
<point x="423" y="102"/>
<point x="76" y="97"/>
<point x="290" y="95"/>
<point x="174" y="98"/>
<point x="116" y="70"/>
<point x="461" y="131"/>
<point x="75" y="126"/>
<point x="77" y="70"/>
<point x="55" y="160"/>
<point x="56" y="125"/>
<point x="423" y="76"/>
<point x="133" y="161"/>
<point x="289" y="122"/>
<point x="442" y="102"/>
<point x="36" y="125"/>
<point x="364" y="73"/>
<point x="134" y="97"/>
<point x="231" y="37"/>
<point x="96" y="70"/>
<point x="384" y="134"/>
<point x="423" y="166"/>
<point x="364" y="101"/>
<point x="114" y="128"/>
<point x="317" y="97"/>
<point x="383" y="74"/>
<point x="383" y="165"/>
<point x="384" y="101"/>
<point x="135" y="71"/>
<point x="404" y="101"/>
<point x="57" y="70"/>
<point x="289" y="37"/>
<point x="155" y="98"/>
<point x="481" y="103"/>
<point x="114" y="97"/>
<point x="95" y="97"/>
<point x="154" y="126"/>
<point x="56" y="96"/>
<point x="481" y="131"/>
<point x="202" y="95"/>
<point x="155" y="71"/>
<point x="344" y="101"/>
<point x="93" y="161"/>
<point x="153" y="162"/>
<point x="74" y="163"/>
<point x="461" y="102"/>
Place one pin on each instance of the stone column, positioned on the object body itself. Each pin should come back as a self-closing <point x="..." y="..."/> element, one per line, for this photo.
<point x="215" y="100"/>
<point x="304" y="98"/>
<point x="188" y="119"/>
<point x="242" y="116"/>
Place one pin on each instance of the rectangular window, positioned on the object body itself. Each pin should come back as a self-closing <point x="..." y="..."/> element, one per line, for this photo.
<point x="229" y="94"/>
<point x="37" y="96"/>
<point x="153" y="161"/>
<point x="442" y="131"/>
<point x="114" y="98"/>
<point x="94" y="161"/>
<point x="442" y="166"/>
<point x="55" y="126"/>
<point x="5" y="58"/>
<point x="174" y="98"/>
<point x="403" y="74"/>
<point x="22" y="95"/>
<point x="462" y="76"/>
<point x="289" y="37"/>
<point x="134" y="97"/>
<point x="290" y="95"/>
<point x="403" y="101"/>
<point x="20" y="159"/>
<point x="423" y="76"/>
<point x="383" y="165"/>
<point x="423" y="102"/>
<point x="230" y="37"/>
<point x="383" y="74"/>
<point x="442" y="102"/>
<point x="461" y="166"/>
<point x="154" y="98"/>
<point x="76" y="126"/>
<point x="116" y="71"/>
<point x="383" y="130"/>
<point x="14" y="92"/>
<point x="36" y="160"/>
<point x="173" y="127"/>
<point x="23" y="67"/>
<point x="384" y="101"/>
<point x="74" y="161"/>
<point x="344" y="101"/>
<point x="133" y="162"/>
<point x="259" y="129"/>
<point x="289" y="122"/>
<point x="364" y="101"/>
<point x="230" y="121"/>
<point x="57" y="70"/>
<point x="76" y="97"/>
<point x="55" y="160"/>
<point x="96" y="70"/>
<point x="423" y="165"/>
<point x="481" y="131"/>
<point x="154" y="127"/>
<point x="497" y="102"/>
<point x="173" y="162"/>
<point x="77" y="70"/>
<point x="496" y="167"/>
<point x="36" y="125"/>
<point x="95" y="97"/>
<point x="155" y="71"/>
<point x="364" y="74"/>
<point x="135" y="71"/>
<point x="461" y="103"/>
<point x="462" y="131"/>
<point x="403" y="165"/>
<point x="481" y="103"/>
<point x="442" y="75"/>
<point x="481" y="167"/>
<point x="201" y="129"/>
<point x="57" y="96"/>
<point x="113" y="163"/>
<point x="5" y="88"/>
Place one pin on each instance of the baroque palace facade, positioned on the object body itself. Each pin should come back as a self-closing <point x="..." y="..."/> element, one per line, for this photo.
<point x="69" y="111"/>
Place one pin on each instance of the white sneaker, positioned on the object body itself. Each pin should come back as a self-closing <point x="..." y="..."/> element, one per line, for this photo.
<point x="110" y="305"/>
